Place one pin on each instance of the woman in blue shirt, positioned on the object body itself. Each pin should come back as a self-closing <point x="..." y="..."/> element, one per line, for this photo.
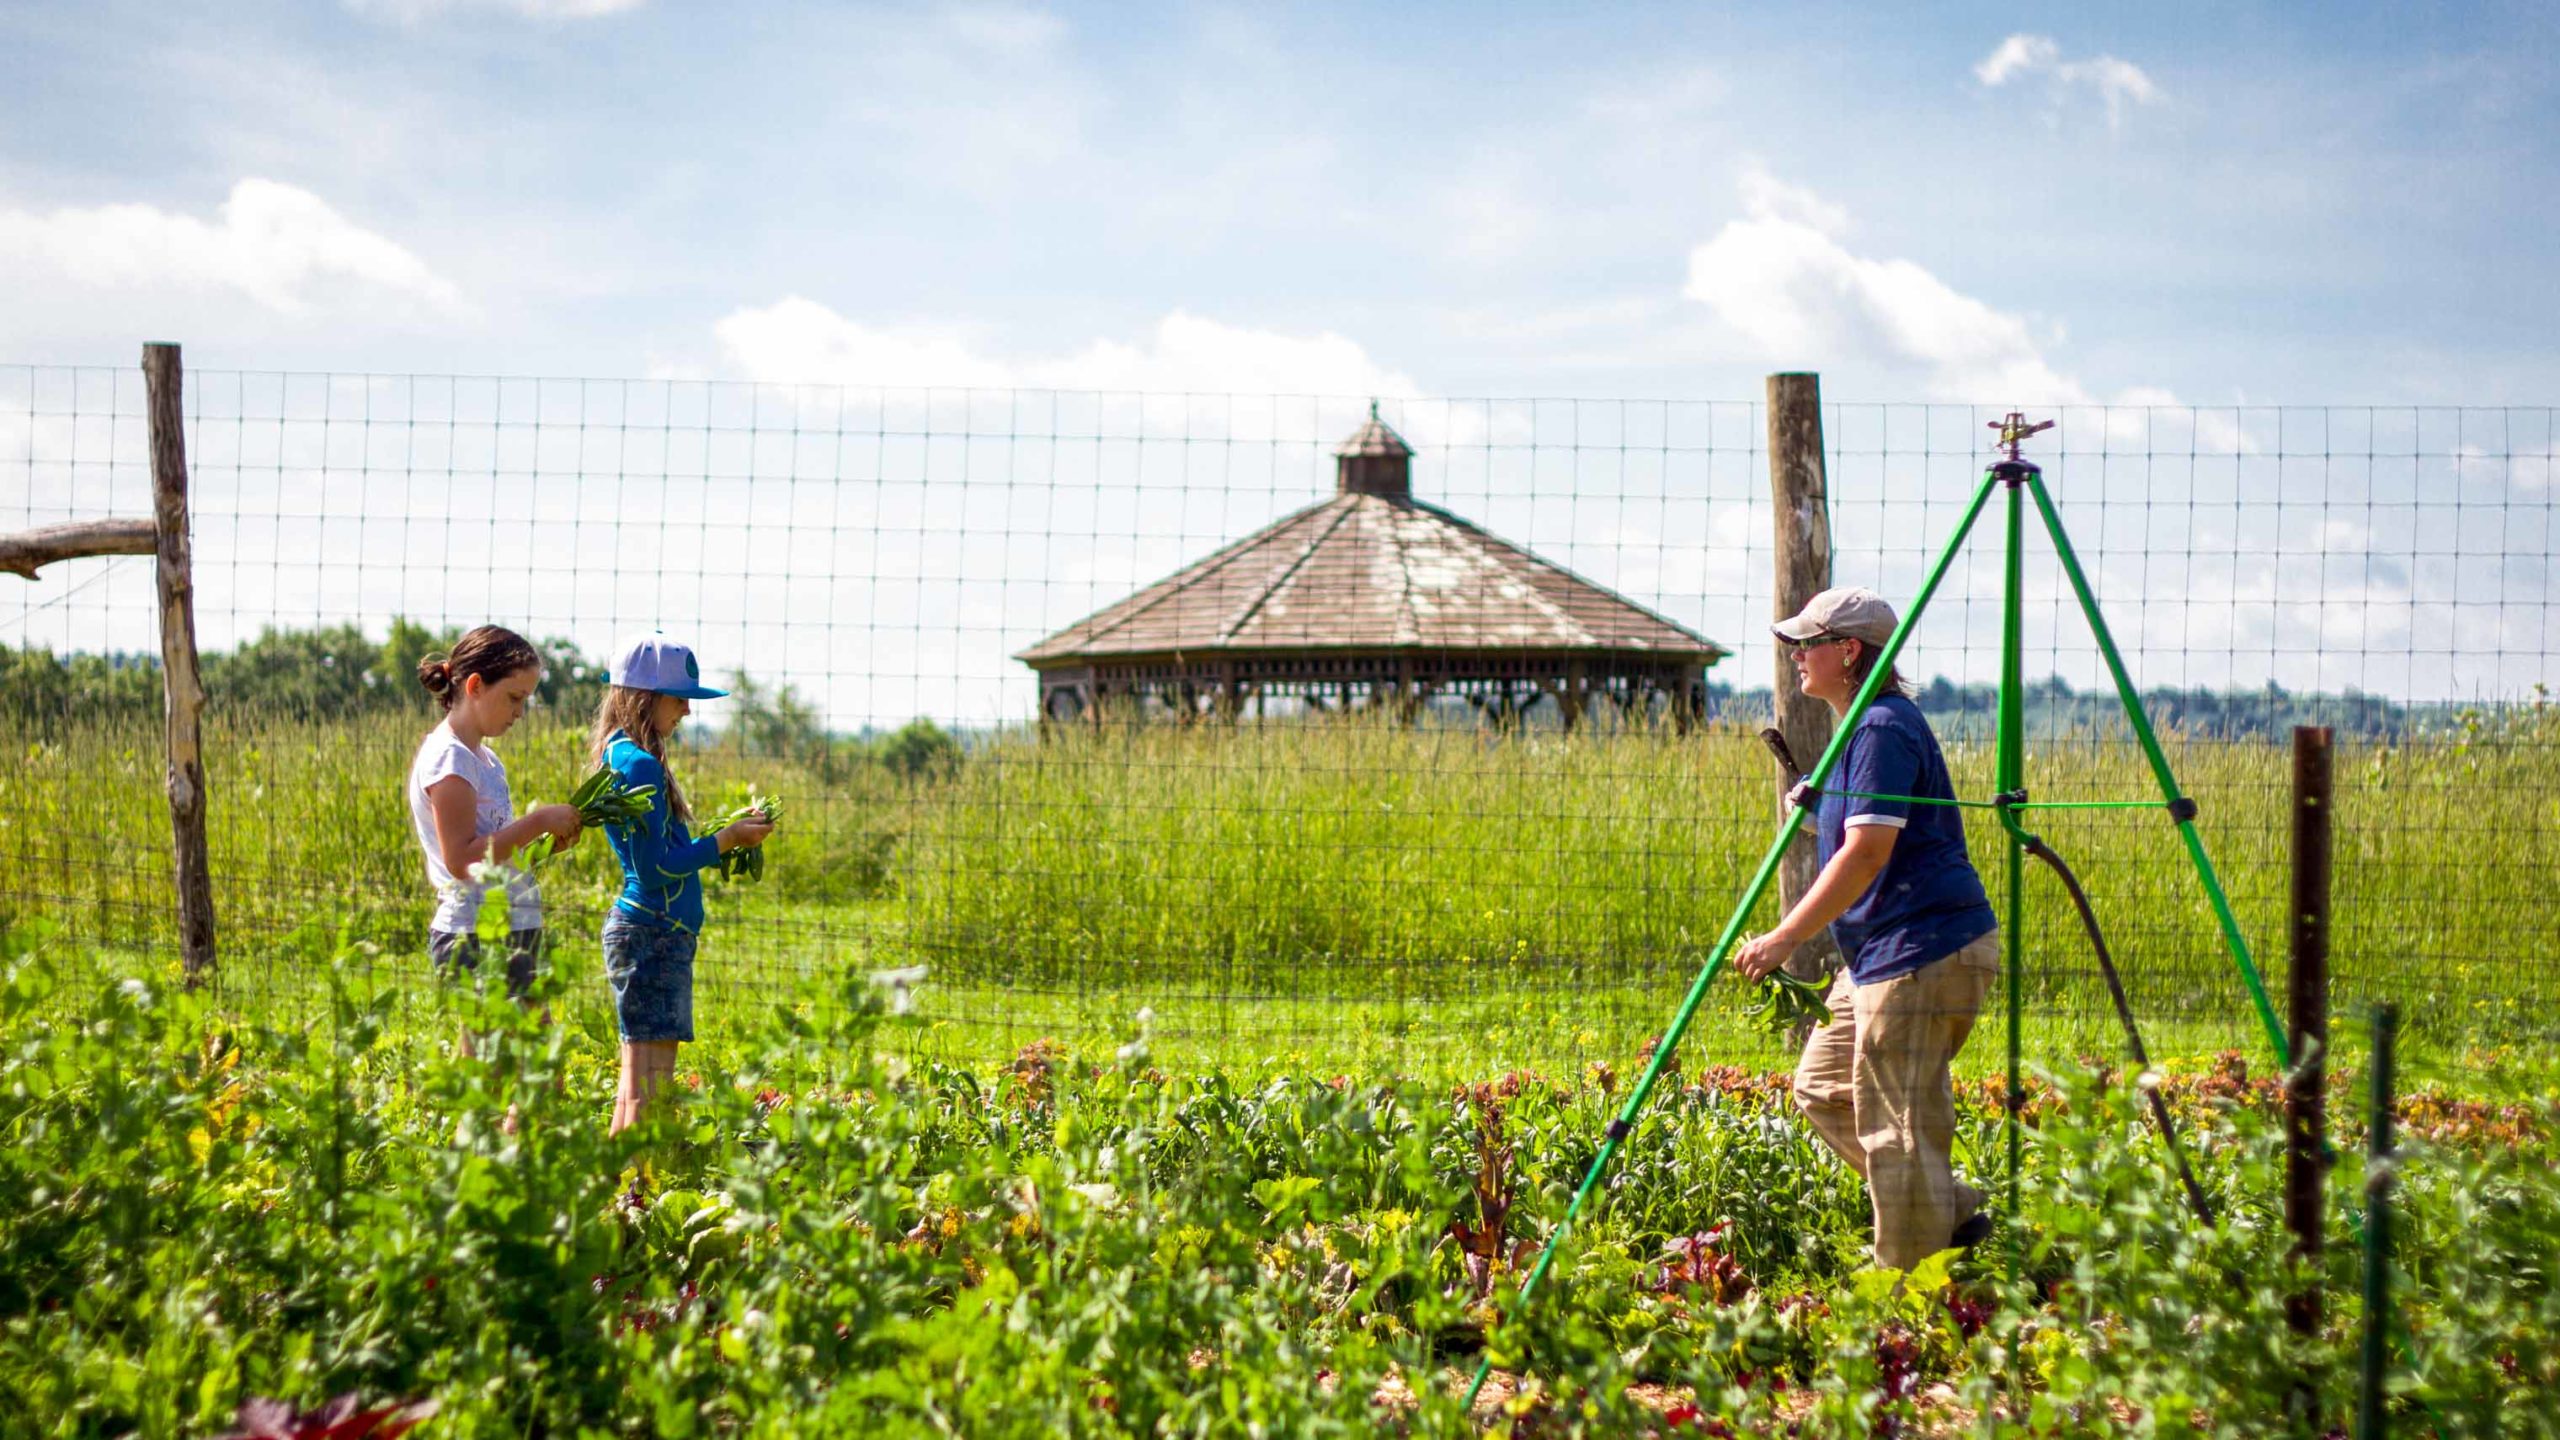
<point x="649" y="933"/>
<point x="1908" y="911"/>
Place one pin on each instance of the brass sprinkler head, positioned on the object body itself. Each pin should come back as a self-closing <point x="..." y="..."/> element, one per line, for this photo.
<point x="2014" y="430"/>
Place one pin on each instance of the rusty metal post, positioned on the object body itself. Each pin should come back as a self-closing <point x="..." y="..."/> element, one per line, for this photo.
<point x="192" y="865"/>
<point x="2306" y="1096"/>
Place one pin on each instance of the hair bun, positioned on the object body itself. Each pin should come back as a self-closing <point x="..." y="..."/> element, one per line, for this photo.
<point x="436" y="674"/>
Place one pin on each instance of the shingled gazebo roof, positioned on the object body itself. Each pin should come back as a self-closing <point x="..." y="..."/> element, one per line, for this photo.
<point x="1431" y="600"/>
<point x="1362" y="571"/>
<point x="1366" y="570"/>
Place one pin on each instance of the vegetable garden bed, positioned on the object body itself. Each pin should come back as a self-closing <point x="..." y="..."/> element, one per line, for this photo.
<point x="828" y="1234"/>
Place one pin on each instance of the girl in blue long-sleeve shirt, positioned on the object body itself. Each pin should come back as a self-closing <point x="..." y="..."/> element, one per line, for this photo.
<point x="650" y="933"/>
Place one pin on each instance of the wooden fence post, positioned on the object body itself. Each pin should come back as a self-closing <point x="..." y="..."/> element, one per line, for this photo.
<point x="1800" y="492"/>
<point x="2306" y="1096"/>
<point x="191" y="860"/>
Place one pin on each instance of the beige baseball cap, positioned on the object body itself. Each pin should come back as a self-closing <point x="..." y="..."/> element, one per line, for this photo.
<point x="1851" y="611"/>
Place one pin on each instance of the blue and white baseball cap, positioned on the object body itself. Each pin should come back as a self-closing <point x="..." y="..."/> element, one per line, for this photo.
<point x="654" y="662"/>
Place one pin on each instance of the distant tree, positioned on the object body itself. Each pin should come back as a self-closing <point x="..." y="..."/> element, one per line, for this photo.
<point x="328" y="670"/>
<point x="395" y="665"/>
<point x="571" y="683"/>
<point x="763" y="721"/>
<point x="919" y="750"/>
<point x="38" y="687"/>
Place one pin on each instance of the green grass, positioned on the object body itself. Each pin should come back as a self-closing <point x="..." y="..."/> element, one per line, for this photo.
<point x="1347" y="895"/>
<point x="1377" y="866"/>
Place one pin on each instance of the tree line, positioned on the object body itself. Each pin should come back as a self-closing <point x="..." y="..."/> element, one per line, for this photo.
<point x="2051" y="706"/>
<point x="331" y="670"/>
<point x="338" y="672"/>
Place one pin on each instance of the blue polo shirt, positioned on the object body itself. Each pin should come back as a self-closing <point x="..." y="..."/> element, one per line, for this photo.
<point x="1928" y="902"/>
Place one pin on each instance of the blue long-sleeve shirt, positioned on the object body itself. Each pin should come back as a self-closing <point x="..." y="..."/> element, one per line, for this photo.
<point x="662" y="861"/>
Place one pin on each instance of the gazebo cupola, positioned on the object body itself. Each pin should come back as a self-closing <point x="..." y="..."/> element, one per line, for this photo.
<point x="1374" y="461"/>
<point x="1373" y="599"/>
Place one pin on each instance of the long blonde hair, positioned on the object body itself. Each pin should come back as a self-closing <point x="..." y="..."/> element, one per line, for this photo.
<point x="634" y="713"/>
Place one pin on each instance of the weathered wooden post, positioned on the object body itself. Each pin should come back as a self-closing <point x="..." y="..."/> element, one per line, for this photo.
<point x="191" y="860"/>
<point x="166" y="536"/>
<point x="1801" y="502"/>
<point x="2306" y="1096"/>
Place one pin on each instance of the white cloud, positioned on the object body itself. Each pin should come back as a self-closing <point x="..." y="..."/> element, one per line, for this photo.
<point x="2017" y="55"/>
<point x="280" y="246"/>
<point x="415" y="12"/>
<point x="799" y="341"/>
<point x="1765" y="194"/>
<point x="2119" y="83"/>
<point x="1781" y="279"/>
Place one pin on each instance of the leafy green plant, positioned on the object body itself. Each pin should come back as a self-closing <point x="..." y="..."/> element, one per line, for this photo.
<point x="825" y="1230"/>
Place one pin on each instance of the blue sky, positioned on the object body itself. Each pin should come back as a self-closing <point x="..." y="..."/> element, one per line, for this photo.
<point x="2222" y="203"/>
<point x="2185" y="213"/>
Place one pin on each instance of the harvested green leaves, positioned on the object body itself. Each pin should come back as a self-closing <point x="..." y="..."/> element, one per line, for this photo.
<point x="747" y="862"/>
<point x="1784" y="1000"/>
<point x="602" y="799"/>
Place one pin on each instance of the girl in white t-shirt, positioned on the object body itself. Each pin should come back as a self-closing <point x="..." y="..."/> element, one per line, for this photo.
<point x="460" y="805"/>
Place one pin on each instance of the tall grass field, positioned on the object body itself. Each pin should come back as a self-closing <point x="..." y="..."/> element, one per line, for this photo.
<point x="1320" y="889"/>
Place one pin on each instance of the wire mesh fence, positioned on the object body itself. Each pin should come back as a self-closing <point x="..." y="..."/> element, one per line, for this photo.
<point x="1293" y="754"/>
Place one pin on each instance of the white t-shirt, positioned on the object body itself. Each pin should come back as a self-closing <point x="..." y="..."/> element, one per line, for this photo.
<point x="441" y="754"/>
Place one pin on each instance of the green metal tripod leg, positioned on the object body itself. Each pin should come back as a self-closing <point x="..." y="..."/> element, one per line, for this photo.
<point x="2010" y="776"/>
<point x="2181" y="807"/>
<point x="1624" y="1125"/>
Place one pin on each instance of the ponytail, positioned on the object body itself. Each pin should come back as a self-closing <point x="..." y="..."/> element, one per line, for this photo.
<point x="435" y="673"/>
<point x="491" y="652"/>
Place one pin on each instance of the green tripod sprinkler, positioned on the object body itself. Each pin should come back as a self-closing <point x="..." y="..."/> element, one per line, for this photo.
<point x="2020" y="481"/>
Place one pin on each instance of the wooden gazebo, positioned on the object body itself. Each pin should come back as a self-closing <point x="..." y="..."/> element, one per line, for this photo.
<point x="1373" y="599"/>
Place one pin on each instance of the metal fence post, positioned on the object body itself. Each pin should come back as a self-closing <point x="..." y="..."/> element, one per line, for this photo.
<point x="2306" y="1096"/>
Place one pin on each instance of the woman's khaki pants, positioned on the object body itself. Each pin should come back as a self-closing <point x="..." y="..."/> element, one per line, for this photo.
<point x="1875" y="1084"/>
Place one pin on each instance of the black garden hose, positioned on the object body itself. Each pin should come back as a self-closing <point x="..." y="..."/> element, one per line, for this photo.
<point x="2124" y="1011"/>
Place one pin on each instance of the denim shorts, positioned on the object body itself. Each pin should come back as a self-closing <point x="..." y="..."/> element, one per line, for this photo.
<point x="651" y="970"/>
<point x="524" y="948"/>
